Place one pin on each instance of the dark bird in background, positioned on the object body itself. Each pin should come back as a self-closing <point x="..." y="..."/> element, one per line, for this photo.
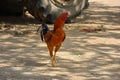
<point x="55" y="37"/>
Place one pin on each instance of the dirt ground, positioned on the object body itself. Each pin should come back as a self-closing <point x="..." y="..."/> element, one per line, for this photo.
<point x="84" y="55"/>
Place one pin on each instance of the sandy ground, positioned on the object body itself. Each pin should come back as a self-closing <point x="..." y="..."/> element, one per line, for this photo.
<point x="83" y="55"/>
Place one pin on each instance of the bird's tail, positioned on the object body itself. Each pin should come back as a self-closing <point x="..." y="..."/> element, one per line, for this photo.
<point x="44" y="29"/>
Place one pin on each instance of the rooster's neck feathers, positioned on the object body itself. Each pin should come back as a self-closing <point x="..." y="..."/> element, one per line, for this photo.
<point x="60" y="21"/>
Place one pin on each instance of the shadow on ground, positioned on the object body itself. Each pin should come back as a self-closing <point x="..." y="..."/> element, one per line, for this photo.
<point x="100" y="13"/>
<point x="85" y="56"/>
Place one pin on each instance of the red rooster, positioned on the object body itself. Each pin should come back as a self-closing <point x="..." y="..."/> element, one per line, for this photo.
<point x="55" y="37"/>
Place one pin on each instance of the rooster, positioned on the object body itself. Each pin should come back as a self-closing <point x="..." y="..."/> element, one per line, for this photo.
<point x="55" y="37"/>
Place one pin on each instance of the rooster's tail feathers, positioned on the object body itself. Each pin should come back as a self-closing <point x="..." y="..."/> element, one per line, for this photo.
<point x="41" y="35"/>
<point x="44" y="30"/>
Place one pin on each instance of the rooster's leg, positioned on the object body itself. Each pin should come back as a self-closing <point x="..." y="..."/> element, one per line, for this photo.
<point x="51" y="53"/>
<point x="50" y="48"/>
<point x="56" y="49"/>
